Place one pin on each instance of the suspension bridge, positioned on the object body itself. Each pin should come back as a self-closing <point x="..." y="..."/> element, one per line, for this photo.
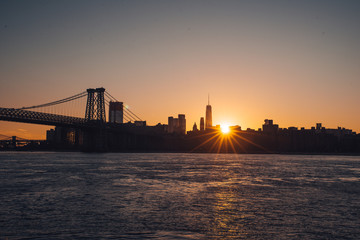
<point x="46" y="114"/>
<point x="7" y="142"/>
<point x="88" y="128"/>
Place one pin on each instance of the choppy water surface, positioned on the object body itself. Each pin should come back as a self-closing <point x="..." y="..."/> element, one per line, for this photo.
<point x="178" y="196"/>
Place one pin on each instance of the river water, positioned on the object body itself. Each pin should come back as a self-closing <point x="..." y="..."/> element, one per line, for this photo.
<point x="178" y="196"/>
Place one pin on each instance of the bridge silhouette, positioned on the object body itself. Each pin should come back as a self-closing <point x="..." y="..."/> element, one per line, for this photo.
<point x="93" y="127"/>
<point x="95" y="113"/>
<point x="7" y="142"/>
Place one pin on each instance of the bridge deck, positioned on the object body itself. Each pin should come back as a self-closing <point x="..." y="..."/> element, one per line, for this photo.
<point x="18" y="115"/>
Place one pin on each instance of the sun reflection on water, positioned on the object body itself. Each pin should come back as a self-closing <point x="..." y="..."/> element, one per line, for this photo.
<point x="228" y="214"/>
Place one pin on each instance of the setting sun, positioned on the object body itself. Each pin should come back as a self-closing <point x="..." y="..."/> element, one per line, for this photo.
<point x="225" y="128"/>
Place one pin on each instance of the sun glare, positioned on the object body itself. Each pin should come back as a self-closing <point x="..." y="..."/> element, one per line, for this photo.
<point x="225" y="128"/>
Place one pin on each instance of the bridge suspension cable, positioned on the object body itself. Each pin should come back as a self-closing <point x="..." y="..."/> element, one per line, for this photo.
<point x="131" y="113"/>
<point x="125" y="115"/>
<point x="68" y="99"/>
<point x="4" y="137"/>
<point x="127" y="112"/>
<point x="111" y="97"/>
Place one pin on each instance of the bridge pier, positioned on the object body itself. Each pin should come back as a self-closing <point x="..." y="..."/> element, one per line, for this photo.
<point x="95" y="135"/>
<point x="13" y="142"/>
<point x="94" y="140"/>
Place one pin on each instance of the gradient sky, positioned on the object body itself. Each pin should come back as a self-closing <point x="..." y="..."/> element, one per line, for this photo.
<point x="297" y="62"/>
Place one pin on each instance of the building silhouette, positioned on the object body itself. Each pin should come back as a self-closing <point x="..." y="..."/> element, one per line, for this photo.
<point x="269" y="126"/>
<point x="177" y="125"/>
<point x="182" y="124"/>
<point x="202" y="124"/>
<point x="170" y="124"/>
<point x="116" y="114"/>
<point x="195" y="129"/>
<point x="208" y="115"/>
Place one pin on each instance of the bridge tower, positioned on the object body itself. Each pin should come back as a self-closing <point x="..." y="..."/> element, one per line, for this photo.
<point x="95" y="138"/>
<point x="95" y="105"/>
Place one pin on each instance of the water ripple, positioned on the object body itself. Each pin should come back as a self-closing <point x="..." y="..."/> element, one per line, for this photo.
<point x="178" y="196"/>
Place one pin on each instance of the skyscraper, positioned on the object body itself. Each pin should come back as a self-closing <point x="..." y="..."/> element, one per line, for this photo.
<point x="170" y="124"/>
<point x="116" y="112"/>
<point x="202" y="124"/>
<point x="182" y="124"/>
<point x="208" y="120"/>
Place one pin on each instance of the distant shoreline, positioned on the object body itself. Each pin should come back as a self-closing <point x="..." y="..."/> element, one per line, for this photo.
<point x="184" y="152"/>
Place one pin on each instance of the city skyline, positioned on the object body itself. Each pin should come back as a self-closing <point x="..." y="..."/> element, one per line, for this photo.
<point x="296" y="63"/>
<point x="94" y="133"/>
<point x="120" y="114"/>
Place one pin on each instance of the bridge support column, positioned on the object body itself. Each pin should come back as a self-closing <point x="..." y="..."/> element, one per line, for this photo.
<point x="95" y="106"/>
<point x="95" y="140"/>
<point x="95" y="136"/>
<point x="13" y="142"/>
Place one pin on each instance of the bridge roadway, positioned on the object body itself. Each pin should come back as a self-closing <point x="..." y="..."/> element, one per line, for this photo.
<point x="95" y="134"/>
<point x="18" y="115"/>
<point x="25" y="116"/>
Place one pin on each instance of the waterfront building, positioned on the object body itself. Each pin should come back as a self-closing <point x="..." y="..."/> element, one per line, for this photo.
<point x="270" y="127"/>
<point x="116" y="114"/>
<point x="177" y="125"/>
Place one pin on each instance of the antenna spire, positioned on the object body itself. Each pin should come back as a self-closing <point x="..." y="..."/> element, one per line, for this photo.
<point x="208" y="99"/>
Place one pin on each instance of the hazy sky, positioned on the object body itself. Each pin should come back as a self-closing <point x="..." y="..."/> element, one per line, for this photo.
<point x="297" y="62"/>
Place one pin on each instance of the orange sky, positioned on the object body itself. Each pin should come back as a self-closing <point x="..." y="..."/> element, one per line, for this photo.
<point x="294" y="62"/>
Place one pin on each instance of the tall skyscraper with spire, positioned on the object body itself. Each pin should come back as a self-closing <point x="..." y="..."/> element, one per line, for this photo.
<point x="208" y="120"/>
